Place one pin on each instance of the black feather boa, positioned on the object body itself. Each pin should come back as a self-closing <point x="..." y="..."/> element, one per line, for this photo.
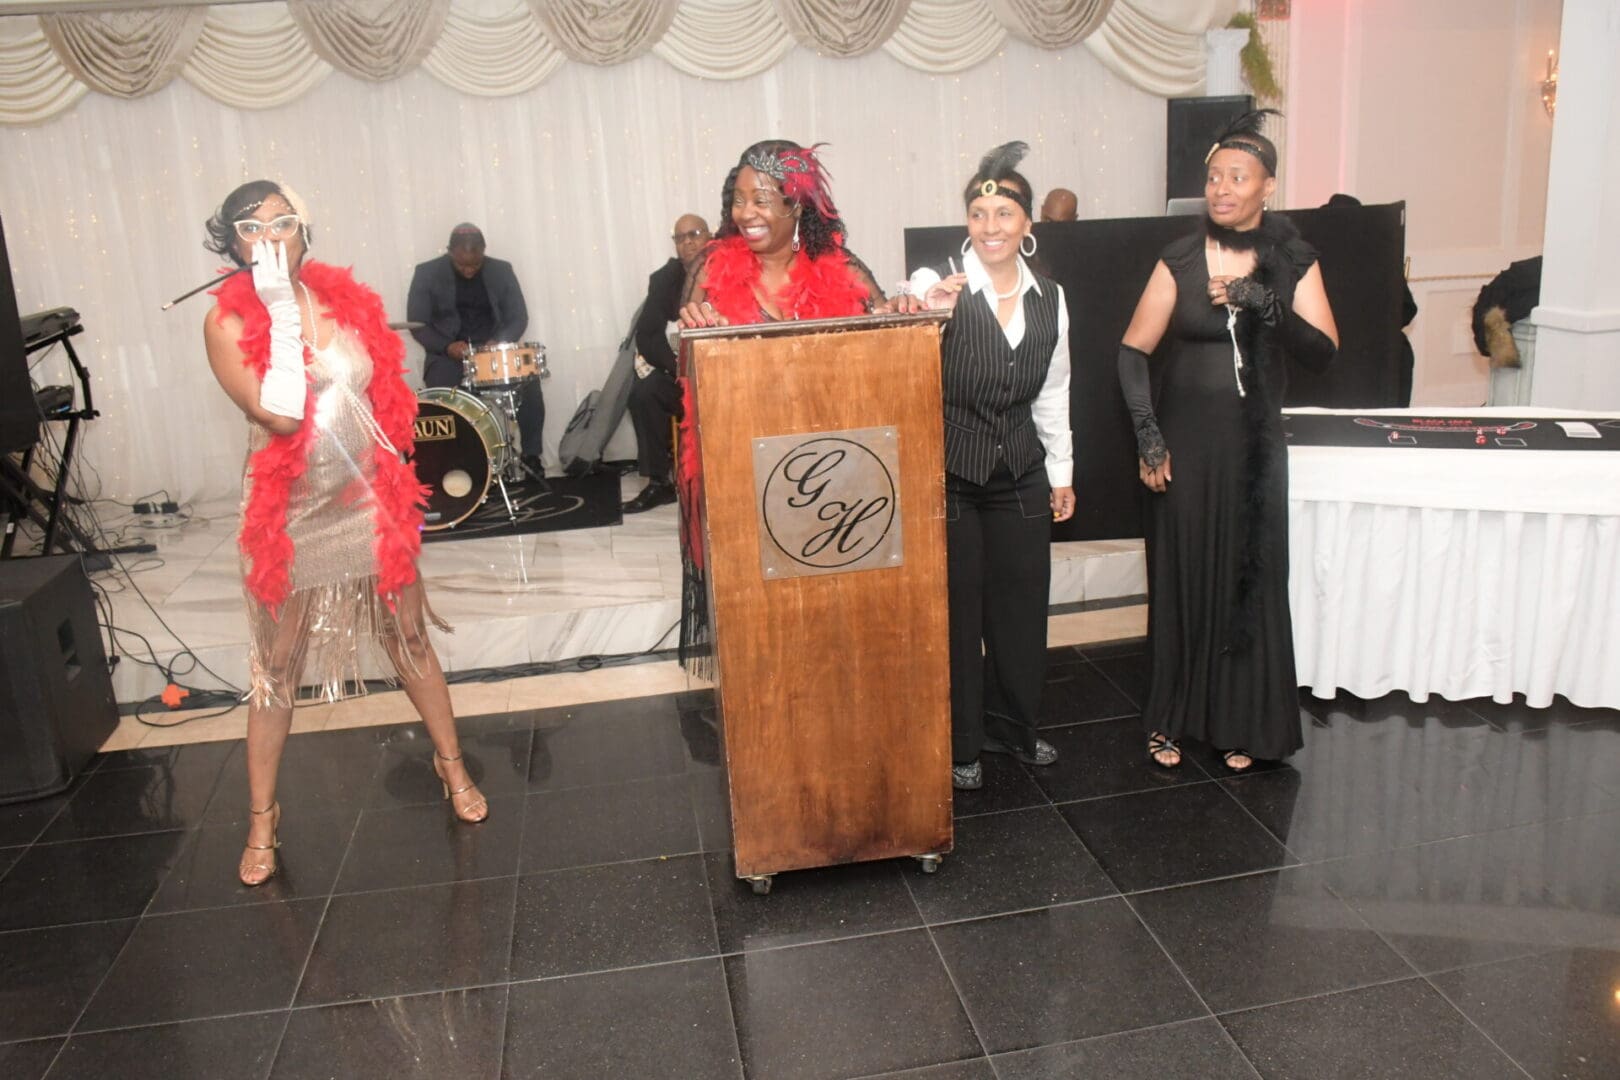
<point x="1262" y="403"/>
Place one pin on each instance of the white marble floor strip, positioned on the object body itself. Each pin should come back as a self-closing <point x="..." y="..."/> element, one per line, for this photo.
<point x="512" y="600"/>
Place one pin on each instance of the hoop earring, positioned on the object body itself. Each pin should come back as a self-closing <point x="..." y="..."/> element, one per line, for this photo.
<point x="795" y="236"/>
<point x="1033" y="244"/>
<point x="966" y="244"/>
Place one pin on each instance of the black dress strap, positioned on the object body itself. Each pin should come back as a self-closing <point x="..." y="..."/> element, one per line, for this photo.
<point x="1301" y="256"/>
<point x="1183" y="254"/>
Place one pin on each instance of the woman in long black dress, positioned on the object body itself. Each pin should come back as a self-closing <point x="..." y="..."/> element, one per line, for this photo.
<point x="1223" y="308"/>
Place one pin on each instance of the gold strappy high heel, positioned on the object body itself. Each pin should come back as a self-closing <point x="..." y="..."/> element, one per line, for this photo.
<point x="273" y="865"/>
<point x="471" y="812"/>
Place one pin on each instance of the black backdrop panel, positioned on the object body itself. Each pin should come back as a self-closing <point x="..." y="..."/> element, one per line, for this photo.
<point x="1363" y="252"/>
<point x="1103" y="267"/>
<point x="19" y="418"/>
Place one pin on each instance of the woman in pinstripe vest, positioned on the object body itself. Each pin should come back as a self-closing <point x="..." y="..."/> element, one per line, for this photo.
<point x="1009" y="464"/>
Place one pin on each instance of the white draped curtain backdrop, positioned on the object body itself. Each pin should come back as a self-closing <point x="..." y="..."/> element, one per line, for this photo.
<point x="572" y="131"/>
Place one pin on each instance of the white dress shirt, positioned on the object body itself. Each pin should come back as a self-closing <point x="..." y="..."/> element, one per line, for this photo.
<point x="1050" y="409"/>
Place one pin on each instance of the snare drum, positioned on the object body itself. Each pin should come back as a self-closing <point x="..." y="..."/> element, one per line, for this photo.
<point x="505" y="363"/>
<point x="461" y="444"/>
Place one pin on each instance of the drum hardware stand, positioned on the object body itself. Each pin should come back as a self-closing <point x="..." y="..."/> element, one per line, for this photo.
<point x="499" y="383"/>
<point x="500" y="482"/>
<point x="515" y="469"/>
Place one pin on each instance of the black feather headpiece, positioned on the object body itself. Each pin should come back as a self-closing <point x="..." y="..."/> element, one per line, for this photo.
<point x="998" y="166"/>
<point x="1244" y="133"/>
<point x="1003" y="159"/>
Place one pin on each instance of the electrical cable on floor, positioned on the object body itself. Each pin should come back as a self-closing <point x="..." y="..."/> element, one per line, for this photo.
<point x="224" y="701"/>
<point x="89" y="521"/>
<point x="590" y="662"/>
<point x="81" y="511"/>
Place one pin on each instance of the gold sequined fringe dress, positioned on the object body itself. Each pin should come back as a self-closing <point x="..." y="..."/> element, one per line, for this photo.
<point x="333" y="620"/>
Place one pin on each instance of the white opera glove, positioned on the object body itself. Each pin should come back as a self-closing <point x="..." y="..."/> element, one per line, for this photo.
<point x="284" y="387"/>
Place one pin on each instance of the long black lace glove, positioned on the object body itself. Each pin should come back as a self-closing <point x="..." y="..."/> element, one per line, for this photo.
<point x="1302" y="341"/>
<point x="1138" y="390"/>
<point x="1250" y="295"/>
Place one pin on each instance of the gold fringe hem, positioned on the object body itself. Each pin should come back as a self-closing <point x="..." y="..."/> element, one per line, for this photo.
<point x="325" y="634"/>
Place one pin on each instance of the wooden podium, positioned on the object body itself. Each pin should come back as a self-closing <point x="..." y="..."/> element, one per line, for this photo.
<point x="823" y="514"/>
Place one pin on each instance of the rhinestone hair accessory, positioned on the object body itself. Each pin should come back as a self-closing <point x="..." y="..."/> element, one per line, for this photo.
<point x="800" y="173"/>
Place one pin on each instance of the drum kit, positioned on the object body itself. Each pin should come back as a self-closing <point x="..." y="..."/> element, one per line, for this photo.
<point x="466" y="436"/>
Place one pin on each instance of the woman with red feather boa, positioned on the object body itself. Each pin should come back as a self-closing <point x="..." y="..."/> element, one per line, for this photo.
<point x="779" y="254"/>
<point x="331" y="525"/>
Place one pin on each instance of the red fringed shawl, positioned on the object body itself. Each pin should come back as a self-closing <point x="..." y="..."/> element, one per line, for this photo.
<point x="825" y="287"/>
<point x="263" y="539"/>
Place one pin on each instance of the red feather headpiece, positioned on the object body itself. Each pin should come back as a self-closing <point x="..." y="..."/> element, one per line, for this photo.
<point x="801" y="174"/>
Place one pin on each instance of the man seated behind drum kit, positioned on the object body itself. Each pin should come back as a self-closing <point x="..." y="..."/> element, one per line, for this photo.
<point x="465" y="301"/>
<point x="655" y="396"/>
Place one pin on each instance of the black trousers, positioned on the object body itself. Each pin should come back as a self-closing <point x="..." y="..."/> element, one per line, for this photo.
<point x="654" y="402"/>
<point x="531" y="407"/>
<point x="998" y="539"/>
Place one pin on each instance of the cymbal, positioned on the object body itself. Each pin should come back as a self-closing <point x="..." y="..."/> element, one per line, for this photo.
<point x="407" y="325"/>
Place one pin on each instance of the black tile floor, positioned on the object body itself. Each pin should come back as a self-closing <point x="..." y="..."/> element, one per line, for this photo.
<point x="1423" y="891"/>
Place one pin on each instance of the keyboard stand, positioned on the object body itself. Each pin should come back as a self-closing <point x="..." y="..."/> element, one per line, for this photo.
<point x="19" y="492"/>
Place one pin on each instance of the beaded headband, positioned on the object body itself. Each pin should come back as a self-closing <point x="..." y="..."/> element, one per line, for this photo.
<point x="995" y="168"/>
<point x="1243" y="133"/>
<point x="1265" y="157"/>
<point x="800" y="173"/>
<point x="991" y="187"/>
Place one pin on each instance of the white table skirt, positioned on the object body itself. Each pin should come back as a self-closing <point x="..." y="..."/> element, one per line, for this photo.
<point x="1510" y="584"/>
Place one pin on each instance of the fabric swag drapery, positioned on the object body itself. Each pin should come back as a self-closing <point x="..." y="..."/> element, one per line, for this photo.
<point x="265" y="55"/>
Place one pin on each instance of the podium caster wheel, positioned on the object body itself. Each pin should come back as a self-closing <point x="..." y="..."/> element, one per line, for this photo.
<point x="761" y="884"/>
<point x="929" y="863"/>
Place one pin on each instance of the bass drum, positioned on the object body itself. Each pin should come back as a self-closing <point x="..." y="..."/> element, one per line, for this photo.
<point x="461" y="444"/>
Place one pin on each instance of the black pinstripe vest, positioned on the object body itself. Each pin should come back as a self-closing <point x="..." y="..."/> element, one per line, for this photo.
<point x="989" y="385"/>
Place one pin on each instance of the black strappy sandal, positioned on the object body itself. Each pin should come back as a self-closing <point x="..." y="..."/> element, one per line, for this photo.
<point x="1159" y="743"/>
<point x="1228" y="755"/>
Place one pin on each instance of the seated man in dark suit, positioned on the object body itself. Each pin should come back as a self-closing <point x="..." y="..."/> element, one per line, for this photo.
<point x="655" y="396"/>
<point x="462" y="300"/>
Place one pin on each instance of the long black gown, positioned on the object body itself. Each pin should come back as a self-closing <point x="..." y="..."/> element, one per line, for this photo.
<point x="1217" y="540"/>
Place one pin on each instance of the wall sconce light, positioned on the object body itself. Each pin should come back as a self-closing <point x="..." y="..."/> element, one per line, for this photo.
<point x="1549" y="85"/>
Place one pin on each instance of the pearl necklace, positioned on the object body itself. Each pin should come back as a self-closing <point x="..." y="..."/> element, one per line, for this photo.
<point x="314" y="319"/>
<point x="1018" y="286"/>
<point x="1231" y="324"/>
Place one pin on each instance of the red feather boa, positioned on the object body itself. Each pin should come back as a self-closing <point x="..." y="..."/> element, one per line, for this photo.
<point x="820" y="288"/>
<point x="263" y="540"/>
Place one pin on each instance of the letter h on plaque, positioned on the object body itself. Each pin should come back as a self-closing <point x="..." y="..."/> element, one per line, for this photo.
<point x="828" y="502"/>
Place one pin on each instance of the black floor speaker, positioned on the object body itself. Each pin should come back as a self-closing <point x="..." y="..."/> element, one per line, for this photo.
<point x="56" y="697"/>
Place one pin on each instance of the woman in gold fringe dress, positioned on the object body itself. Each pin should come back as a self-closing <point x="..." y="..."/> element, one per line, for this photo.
<point x="330" y="516"/>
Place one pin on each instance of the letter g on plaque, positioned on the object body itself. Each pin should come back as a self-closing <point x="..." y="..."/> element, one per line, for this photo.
<point x="829" y="502"/>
